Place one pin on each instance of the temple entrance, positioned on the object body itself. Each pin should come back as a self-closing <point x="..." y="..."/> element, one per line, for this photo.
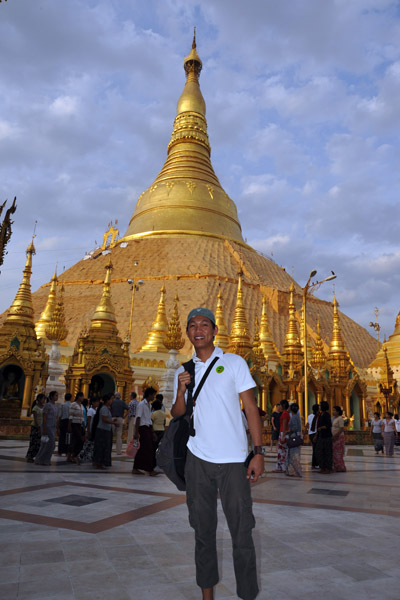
<point x="311" y="401"/>
<point x="274" y="395"/>
<point x="100" y="384"/>
<point x="355" y="412"/>
<point x="12" y="381"/>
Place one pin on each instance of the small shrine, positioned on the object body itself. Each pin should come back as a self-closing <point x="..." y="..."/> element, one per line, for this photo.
<point x="100" y="361"/>
<point x="23" y="359"/>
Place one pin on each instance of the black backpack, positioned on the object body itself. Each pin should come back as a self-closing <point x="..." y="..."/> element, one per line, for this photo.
<point x="172" y="450"/>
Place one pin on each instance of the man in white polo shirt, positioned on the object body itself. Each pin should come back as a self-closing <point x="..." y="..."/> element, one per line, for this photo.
<point x="216" y="455"/>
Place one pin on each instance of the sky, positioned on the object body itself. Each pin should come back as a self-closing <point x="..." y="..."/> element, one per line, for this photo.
<point x="303" y="117"/>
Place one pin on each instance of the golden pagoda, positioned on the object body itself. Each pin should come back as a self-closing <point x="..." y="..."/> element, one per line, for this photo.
<point x="222" y="338"/>
<point x="267" y="343"/>
<point x="292" y="348"/>
<point x="155" y="341"/>
<point x="185" y="234"/>
<point x="392" y="346"/>
<point x="100" y="361"/>
<point x="318" y="356"/>
<point x="174" y="339"/>
<point x="45" y="317"/>
<point x="240" y="337"/>
<point x="57" y="330"/>
<point x="338" y="357"/>
<point x="23" y="361"/>
<point x="187" y="196"/>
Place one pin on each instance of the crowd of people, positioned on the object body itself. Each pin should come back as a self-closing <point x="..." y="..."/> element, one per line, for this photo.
<point x="85" y="428"/>
<point x="326" y="434"/>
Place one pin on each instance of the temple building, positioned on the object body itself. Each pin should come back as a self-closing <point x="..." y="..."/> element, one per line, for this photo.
<point x="184" y="240"/>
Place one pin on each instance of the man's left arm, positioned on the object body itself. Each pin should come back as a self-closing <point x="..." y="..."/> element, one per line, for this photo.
<point x="256" y="466"/>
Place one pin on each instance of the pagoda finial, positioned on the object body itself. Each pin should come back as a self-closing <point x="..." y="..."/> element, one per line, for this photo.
<point x="104" y="315"/>
<point x="155" y="341"/>
<point x="194" y="38"/>
<point x="57" y="330"/>
<point x="240" y="338"/>
<point x="46" y="316"/>
<point x="21" y="310"/>
<point x="174" y="339"/>
<point x="222" y="338"/>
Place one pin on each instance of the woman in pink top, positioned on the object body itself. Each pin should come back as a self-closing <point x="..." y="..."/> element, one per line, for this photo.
<point x="389" y="433"/>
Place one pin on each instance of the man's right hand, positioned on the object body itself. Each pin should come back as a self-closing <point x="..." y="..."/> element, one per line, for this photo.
<point x="184" y="379"/>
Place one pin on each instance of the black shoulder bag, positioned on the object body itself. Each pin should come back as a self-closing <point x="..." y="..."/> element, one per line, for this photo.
<point x="172" y="450"/>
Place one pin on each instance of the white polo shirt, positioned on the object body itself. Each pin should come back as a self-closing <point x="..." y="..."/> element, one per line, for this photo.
<point x="220" y="432"/>
<point x="143" y="410"/>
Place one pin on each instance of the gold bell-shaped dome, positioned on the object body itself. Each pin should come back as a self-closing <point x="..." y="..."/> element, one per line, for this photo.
<point x="186" y="197"/>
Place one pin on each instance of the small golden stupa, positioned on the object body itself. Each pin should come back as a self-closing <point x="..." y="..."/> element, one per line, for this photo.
<point x="23" y="361"/>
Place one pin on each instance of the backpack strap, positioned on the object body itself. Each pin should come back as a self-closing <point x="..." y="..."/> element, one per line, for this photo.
<point x="191" y="400"/>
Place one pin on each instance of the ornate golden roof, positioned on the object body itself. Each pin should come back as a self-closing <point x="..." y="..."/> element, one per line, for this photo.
<point x="47" y="313"/>
<point x="222" y="337"/>
<point x="155" y="341"/>
<point x="174" y="339"/>
<point x="186" y="196"/>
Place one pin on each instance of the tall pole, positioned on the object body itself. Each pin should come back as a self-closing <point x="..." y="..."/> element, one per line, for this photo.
<point x="131" y="315"/>
<point x="305" y="292"/>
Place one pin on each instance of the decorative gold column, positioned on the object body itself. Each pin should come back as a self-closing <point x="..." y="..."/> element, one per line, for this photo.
<point x="26" y="400"/>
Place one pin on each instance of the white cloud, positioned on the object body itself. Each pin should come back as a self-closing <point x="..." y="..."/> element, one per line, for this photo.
<point x="64" y="105"/>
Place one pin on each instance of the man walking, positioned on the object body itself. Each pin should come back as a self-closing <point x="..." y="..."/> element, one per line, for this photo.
<point x="217" y="450"/>
<point x="118" y="409"/>
<point x="63" y="422"/>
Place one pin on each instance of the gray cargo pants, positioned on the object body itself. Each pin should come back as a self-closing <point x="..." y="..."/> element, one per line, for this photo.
<point x="203" y="481"/>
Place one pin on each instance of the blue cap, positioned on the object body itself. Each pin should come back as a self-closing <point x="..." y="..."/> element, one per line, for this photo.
<point x="202" y="312"/>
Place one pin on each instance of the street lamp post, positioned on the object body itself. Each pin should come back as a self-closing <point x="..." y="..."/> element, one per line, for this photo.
<point x="306" y="289"/>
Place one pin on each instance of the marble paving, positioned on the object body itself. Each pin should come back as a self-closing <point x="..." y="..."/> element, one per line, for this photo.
<point x="74" y="533"/>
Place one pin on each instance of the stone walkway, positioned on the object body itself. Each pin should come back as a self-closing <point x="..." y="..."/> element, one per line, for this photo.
<point x="71" y="532"/>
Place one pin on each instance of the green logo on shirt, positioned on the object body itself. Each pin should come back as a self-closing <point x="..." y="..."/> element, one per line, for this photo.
<point x="219" y="369"/>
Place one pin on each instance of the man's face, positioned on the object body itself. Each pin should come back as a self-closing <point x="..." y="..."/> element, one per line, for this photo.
<point x="201" y="332"/>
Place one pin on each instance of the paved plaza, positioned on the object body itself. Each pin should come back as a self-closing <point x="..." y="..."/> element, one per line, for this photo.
<point x="70" y="532"/>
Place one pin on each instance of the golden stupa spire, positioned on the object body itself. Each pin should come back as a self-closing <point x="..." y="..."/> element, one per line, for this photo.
<point x="155" y="341"/>
<point x="222" y="338"/>
<point x="240" y="338"/>
<point x="45" y="317"/>
<point x="174" y="339"/>
<point x="56" y="329"/>
<point x="293" y="351"/>
<point x="337" y="344"/>
<point x="187" y="197"/>
<point x="318" y="356"/>
<point x="104" y="315"/>
<point x="267" y="343"/>
<point x="338" y="357"/>
<point x="21" y="310"/>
